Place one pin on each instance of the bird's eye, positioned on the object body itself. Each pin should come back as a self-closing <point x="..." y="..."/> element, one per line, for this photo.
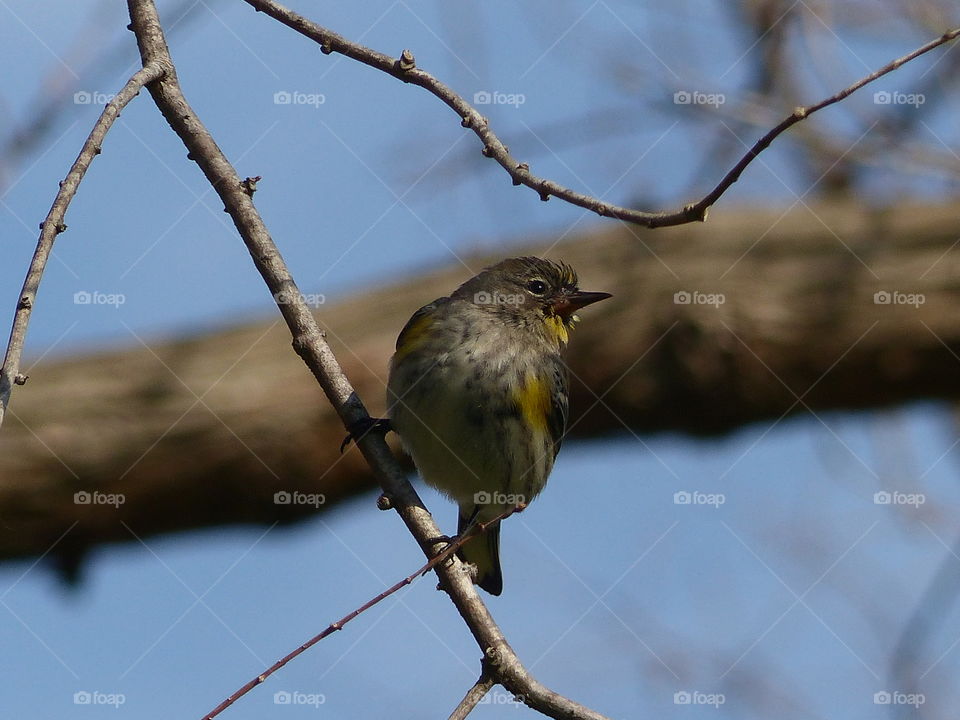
<point x="537" y="287"/>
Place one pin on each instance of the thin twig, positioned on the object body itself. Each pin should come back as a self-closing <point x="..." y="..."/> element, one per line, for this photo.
<point x="405" y="69"/>
<point x="54" y="224"/>
<point x="473" y="697"/>
<point x="312" y="347"/>
<point x="804" y="112"/>
<point x="338" y="625"/>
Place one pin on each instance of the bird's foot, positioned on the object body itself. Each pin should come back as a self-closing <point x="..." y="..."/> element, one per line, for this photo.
<point x="362" y="427"/>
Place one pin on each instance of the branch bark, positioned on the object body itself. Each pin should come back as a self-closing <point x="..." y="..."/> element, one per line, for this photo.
<point x="337" y="625"/>
<point x="54" y="224"/>
<point x="246" y="422"/>
<point x="310" y="344"/>
<point x="404" y="68"/>
<point x="743" y="345"/>
<point x="473" y="697"/>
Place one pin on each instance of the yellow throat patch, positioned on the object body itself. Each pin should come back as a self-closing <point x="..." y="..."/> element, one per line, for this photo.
<point x="557" y="329"/>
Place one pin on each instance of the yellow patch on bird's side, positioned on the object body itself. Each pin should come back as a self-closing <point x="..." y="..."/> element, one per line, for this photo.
<point x="412" y="336"/>
<point x="533" y="399"/>
<point x="557" y="329"/>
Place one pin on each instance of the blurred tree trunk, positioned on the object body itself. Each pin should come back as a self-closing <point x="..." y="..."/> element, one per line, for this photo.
<point x="203" y="431"/>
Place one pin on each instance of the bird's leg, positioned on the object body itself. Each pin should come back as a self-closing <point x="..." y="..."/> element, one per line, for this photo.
<point x="362" y="427"/>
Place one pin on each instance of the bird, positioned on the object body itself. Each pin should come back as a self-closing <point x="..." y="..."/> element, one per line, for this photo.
<point x="478" y="393"/>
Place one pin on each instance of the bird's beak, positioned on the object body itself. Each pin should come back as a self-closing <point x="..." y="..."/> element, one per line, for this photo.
<point x="566" y="305"/>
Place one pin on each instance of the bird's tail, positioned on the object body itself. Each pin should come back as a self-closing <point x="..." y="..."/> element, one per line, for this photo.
<point x="484" y="552"/>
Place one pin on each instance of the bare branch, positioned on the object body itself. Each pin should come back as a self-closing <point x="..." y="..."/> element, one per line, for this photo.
<point x="804" y="112"/>
<point x="474" y="695"/>
<point x="54" y="224"/>
<point x="817" y="299"/>
<point x="449" y="550"/>
<point x="405" y="69"/>
<point x="311" y="345"/>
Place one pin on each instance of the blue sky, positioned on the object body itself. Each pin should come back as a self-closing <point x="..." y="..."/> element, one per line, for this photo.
<point x="788" y="596"/>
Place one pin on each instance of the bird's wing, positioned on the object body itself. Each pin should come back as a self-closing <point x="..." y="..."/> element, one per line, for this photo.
<point x="559" y="406"/>
<point x="417" y="328"/>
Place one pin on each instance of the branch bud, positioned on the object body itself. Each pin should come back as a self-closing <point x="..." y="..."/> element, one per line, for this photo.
<point x="407" y="61"/>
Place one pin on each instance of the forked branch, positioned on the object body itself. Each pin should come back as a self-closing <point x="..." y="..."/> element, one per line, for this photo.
<point x="54" y="224"/>
<point x="404" y="68"/>
<point x="312" y="347"/>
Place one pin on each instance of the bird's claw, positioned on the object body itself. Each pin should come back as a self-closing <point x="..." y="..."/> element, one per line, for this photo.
<point x="362" y="427"/>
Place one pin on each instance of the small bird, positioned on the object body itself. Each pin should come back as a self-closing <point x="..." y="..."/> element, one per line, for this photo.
<point x="478" y="393"/>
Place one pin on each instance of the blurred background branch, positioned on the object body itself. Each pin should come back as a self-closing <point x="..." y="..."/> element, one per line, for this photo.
<point x="204" y="431"/>
<point x="822" y="416"/>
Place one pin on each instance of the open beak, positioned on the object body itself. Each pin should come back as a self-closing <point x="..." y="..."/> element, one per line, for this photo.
<point x="566" y="305"/>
